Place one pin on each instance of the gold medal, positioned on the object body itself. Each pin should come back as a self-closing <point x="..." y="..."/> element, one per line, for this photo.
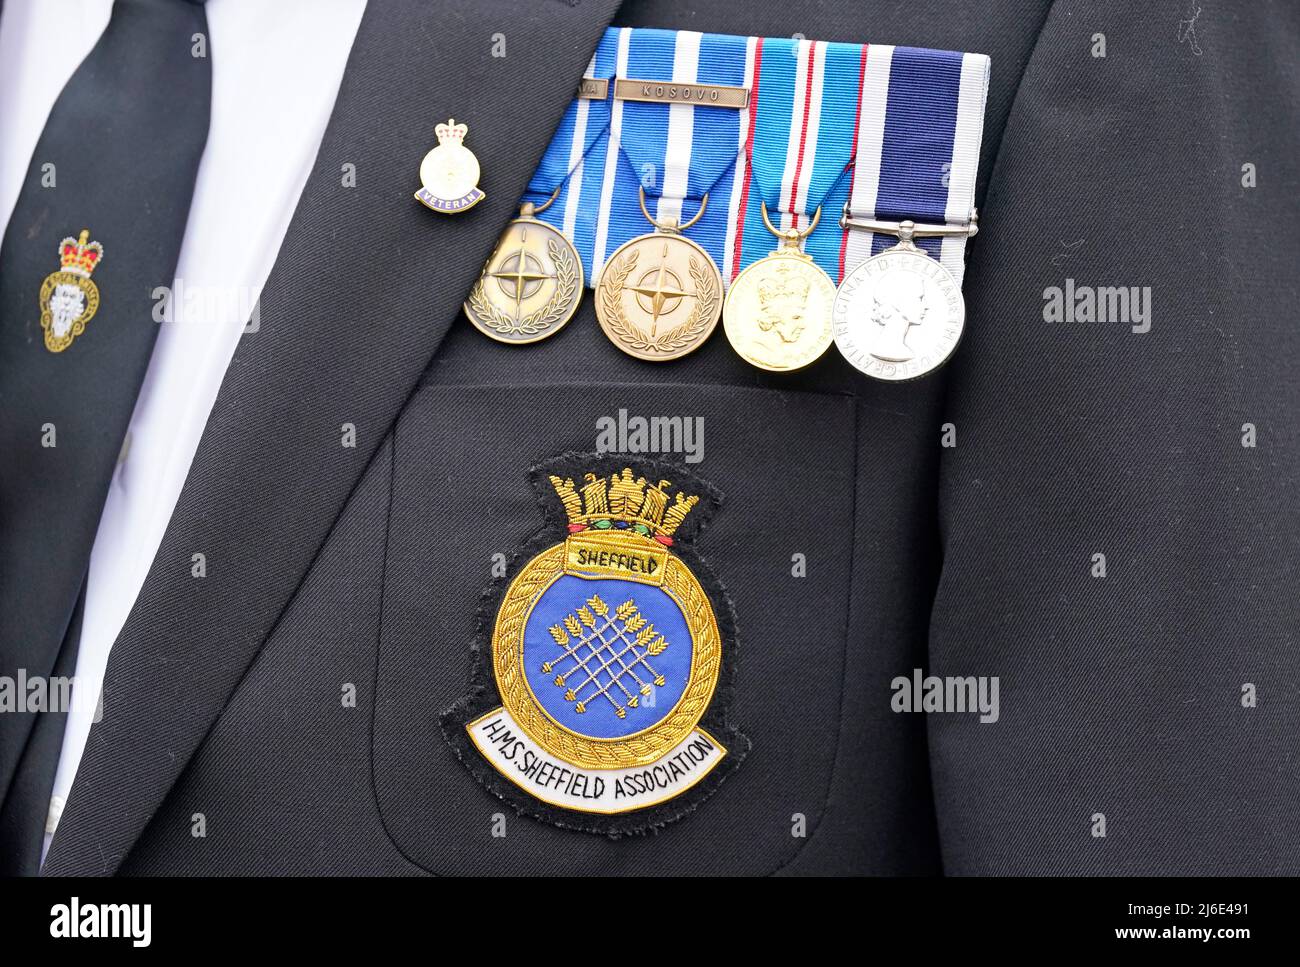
<point x="659" y="296"/>
<point x="532" y="284"/>
<point x="449" y="173"/>
<point x="777" y="314"/>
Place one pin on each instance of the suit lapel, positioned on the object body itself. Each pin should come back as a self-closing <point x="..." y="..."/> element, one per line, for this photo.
<point x="363" y="290"/>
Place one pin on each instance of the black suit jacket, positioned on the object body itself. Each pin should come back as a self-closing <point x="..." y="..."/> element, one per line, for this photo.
<point x="330" y="566"/>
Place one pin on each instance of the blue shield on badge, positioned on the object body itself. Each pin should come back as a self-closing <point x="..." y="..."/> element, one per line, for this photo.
<point x="606" y="658"/>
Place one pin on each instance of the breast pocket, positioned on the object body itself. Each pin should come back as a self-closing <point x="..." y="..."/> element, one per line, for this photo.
<point x="465" y="521"/>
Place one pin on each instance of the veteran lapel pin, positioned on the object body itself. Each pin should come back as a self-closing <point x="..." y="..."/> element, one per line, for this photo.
<point x="69" y="299"/>
<point x="449" y="173"/>
<point x="600" y="692"/>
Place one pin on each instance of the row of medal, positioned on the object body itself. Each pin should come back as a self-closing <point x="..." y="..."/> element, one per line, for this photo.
<point x="898" y="315"/>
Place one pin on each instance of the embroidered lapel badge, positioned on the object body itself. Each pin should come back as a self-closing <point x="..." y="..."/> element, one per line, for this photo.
<point x="449" y="172"/>
<point x="602" y="674"/>
<point x="68" y="298"/>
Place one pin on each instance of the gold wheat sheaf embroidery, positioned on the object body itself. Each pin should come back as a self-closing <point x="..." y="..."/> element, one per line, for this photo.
<point x="675" y="339"/>
<point x="624" y="679"/>
<point x="645" y="747"/>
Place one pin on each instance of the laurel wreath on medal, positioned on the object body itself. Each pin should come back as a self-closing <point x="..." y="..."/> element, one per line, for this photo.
<point x="675" y="339"/>
<point x="640" y="749"/>
<point x="541" y="319"/>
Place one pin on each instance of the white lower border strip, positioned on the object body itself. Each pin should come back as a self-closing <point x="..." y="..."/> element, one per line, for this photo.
<point x="552" y="780"/>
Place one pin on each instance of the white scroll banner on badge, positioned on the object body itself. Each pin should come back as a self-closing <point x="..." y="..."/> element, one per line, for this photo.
<point x="525" y="763"/>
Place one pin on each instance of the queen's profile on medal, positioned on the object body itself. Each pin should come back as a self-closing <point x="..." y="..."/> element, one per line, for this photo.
<point x="898" y="304"/>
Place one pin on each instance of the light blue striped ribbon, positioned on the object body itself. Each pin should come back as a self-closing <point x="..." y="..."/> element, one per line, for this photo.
<point x="823" y="120"/>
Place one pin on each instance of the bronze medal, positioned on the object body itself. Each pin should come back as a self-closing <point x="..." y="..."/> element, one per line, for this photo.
<point x="659" y="296"/>
<point x="530" y="286"/>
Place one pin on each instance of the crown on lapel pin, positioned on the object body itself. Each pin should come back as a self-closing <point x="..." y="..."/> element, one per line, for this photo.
<point x="449" y="173"/>
<point x="451" y="132"/>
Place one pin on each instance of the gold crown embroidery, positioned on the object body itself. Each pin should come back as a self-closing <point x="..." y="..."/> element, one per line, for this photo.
<point x="80" y="256"/>
<point x="623" y="497"/>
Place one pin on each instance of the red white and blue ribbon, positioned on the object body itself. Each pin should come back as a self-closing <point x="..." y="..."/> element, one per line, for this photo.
<point x="892" y="131"/>
<point x="801" y="144"/>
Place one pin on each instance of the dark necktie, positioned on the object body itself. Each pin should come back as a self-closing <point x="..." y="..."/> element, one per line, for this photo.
<point x="97" y="228"/>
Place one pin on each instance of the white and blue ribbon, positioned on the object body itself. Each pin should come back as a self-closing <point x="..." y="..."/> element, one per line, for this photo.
<point x="573" y="161"/>
<point x="893" y="131"/>
<point x="677" y="152"/>
<point x="920" y="123"/>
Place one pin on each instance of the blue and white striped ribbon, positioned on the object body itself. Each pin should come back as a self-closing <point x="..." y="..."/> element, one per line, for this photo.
<point x="893" y="131"/>
<point x="920" y="122"/>
<point x="678" y="152"/>
<point x="574" y="160"/>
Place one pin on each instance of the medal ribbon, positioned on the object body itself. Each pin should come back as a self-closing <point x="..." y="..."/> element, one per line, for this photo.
<point x="678" y="152"/>
<point x="893" y="131"/>
<point x="920" y="121"/>
<point x="574" y="158"/>
<point x="803" y="95"/>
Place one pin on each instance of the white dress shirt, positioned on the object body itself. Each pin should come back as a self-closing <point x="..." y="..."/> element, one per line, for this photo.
<point x="276" y="68"/>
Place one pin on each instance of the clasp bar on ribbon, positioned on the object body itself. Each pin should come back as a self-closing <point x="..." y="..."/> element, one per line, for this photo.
<point x="907" y="230"/>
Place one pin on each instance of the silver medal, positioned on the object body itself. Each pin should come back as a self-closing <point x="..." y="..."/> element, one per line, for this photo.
<point x="899" y="315"/>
